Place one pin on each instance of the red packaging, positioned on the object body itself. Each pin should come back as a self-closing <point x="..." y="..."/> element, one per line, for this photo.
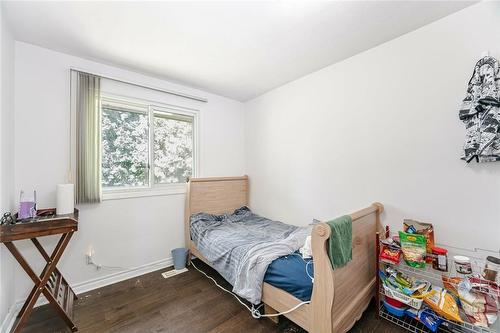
<point x="390" y="255"/>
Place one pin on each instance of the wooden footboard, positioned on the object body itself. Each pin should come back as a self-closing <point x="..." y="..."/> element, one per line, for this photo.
<point x="339" y="297"/>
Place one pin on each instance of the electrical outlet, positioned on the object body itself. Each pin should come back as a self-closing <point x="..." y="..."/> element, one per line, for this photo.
<point x="90" y="251"/>
<point x="89" y="255"/>
<point x="89" y="259"/>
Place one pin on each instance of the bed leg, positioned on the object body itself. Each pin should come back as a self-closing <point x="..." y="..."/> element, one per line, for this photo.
<point x="270" y="310"/>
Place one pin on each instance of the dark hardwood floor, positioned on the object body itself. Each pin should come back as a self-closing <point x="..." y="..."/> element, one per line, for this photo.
<point x="188" y="302"/>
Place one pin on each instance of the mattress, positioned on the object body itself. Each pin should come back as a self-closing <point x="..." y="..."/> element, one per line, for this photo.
<point x="290" y="273"/>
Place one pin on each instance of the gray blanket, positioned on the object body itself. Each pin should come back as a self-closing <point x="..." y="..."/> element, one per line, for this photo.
<point x="240" y="246"/>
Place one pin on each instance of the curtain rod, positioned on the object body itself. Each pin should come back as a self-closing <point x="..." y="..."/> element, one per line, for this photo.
<point x="171" y="92"/>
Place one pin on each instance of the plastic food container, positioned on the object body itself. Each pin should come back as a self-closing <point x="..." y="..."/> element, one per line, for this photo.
<point x="395" y="311"/>
<point x="491" y="269"/>
<point x="462" y="264"/>
<point x="394" y="302"/>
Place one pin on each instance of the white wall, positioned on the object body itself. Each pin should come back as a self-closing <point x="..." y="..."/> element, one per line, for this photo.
<point x="381" y="126"/>
<point x="6" y="159"/>
<point x="128" y="232"/>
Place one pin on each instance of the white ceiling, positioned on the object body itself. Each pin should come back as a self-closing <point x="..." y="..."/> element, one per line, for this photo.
<point x="235" y="49"/>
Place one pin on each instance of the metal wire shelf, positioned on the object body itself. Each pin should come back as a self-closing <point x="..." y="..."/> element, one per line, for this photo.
<point x="436" y="278"/>
<point x="413" y="325"/>
<point x="408" y="323"/>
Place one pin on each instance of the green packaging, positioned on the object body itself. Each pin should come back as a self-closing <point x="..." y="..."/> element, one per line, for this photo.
<point x="413" y="247"/>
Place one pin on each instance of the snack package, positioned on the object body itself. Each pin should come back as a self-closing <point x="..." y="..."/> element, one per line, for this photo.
<point x="413" y="247"/>
<point x="390" y="254"/>
<point x="478" y="319"/>
<point x="421" y="228"/>
<point x="481" y="309"/>
<point x="482" y="285"/>
<point x="451" y="283"/>
<point x="426" y="316"/>
<point x="443" y="304"/>
<point x="408" y="285"/>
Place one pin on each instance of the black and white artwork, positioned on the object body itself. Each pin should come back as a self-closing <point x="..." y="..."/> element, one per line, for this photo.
<point x="480" y="112"/>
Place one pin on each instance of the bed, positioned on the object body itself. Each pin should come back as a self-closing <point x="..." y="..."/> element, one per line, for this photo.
<point x="338" y="297"/>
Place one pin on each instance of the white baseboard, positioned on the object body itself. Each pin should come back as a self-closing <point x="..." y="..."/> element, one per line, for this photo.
<point x="9" y="319"/>
<point x="89" y="285"/>
<point x="103" y="281"/>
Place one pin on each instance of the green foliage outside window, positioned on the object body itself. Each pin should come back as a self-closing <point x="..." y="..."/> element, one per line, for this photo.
<point x="173" y="150"/>
<point x="126" y="148"/>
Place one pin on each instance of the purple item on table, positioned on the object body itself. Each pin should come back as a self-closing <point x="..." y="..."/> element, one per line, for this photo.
<point x="27" y="210"/>
<point x="27" y="206"/>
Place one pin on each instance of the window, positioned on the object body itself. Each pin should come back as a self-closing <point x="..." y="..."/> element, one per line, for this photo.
<point x="173" y="147"/>
<point x="125" y="146"/>
<point x="146" y="148"/>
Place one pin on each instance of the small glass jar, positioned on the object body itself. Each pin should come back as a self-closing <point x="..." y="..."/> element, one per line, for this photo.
<point x="440" y="259"/>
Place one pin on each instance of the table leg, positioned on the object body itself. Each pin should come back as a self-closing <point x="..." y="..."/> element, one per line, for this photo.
<point x="46" y="256"/>
<point x="41" y="282"/>
<point x="30" y="301"/>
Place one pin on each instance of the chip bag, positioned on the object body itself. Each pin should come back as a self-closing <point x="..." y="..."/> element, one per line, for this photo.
<point x="451" y="283"/>
<point x="421" y="228"/>
<point x="413" y="248"/>
<point x="390" y="254"/>
<point x="443" y="304"/>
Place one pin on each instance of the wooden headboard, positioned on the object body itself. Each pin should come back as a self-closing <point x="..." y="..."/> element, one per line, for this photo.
<point x="215" y="196"/>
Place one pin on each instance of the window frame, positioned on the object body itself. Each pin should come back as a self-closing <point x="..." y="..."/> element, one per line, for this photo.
<point x="152" y="189"/>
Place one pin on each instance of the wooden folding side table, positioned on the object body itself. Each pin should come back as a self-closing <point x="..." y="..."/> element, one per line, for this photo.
<point x="51" y="282"/>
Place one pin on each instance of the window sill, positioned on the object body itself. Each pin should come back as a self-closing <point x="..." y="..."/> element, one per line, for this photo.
<point x="174" y="189"/>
